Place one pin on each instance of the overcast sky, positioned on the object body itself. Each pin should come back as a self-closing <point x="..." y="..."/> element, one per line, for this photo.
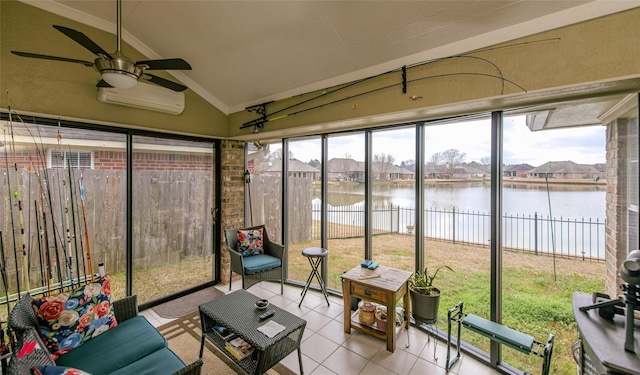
<point x="583" y="145"/>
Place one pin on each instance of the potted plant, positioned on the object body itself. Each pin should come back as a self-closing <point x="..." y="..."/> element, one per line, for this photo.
<point x="425" y="297"/>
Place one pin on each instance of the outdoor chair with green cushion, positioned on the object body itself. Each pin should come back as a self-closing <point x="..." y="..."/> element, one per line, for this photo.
<point x="255" y="258"/>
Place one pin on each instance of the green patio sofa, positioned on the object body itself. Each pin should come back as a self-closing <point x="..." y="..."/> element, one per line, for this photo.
<point x="134" y="346"/>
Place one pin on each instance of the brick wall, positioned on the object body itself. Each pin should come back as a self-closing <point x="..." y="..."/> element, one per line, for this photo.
<point x="232" y="209"/>
<point x="616" y="202"/>
<point x="115" y="160"/>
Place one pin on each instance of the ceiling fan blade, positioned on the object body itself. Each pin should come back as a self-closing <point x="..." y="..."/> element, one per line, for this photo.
<point x="83" y="40"/>
<point x="56" y="58"/>
<point x="164" y="82"/>
<point x="103" y="83"/>
<point x="166" y="64"/>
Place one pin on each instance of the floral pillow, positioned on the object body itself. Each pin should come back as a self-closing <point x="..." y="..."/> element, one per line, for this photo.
<point x="68" y="319"/>
<point x="250" y="242"/>
<point x="56" y="370"/>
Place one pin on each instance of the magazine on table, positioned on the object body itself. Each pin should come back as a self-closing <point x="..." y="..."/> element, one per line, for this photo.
<point x="224" y="332"/>
<point x="239" y="348"/>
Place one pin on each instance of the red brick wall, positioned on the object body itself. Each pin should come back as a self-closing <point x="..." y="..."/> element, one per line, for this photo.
<point x="233" y="185"/>
<point x="113" y="160"/>
<point x="616" y="230"/>
<point x="116" y="160"/>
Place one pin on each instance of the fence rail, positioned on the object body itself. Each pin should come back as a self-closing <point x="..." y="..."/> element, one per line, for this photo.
<point x="582" y="238"/>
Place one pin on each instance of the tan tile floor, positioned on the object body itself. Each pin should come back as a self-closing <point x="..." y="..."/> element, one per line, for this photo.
<point x="327" y="350"/>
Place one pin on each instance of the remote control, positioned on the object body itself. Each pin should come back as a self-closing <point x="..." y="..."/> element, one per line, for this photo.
<point x="266" y="315"/>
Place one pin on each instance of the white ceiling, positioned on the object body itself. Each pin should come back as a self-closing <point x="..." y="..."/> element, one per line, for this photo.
<point x="249" y="52"/>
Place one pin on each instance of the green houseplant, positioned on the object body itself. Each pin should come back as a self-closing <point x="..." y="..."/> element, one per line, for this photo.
<point x="425" y="297"/>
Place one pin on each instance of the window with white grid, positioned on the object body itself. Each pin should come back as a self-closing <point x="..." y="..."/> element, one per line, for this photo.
<point x="73" y="158"/>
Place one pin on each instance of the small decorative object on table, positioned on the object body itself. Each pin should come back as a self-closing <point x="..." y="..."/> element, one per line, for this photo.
<point x="262" y="304"/>
<point x="381" y="318"/>
<point x="367" y="313"/>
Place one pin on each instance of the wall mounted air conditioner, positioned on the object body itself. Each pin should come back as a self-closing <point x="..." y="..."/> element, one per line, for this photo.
<point x="145" y="96"/>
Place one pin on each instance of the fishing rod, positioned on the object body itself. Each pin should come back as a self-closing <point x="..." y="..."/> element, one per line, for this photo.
<point x="73" y="220"/>
<point x="65" y="230"/>
<point x="261" y="108"/>
<point x="3" y="274"/>
<point x="259" y="122"/>
<point x="48" y="260"/>
<point x="38" y="235"/>
<point x="13" y="228"/>
<point x="45" y="191"/>
<point x="55" y="232"/>
<point x="64" y="212"/>
<point x="28" y="229"/>
<point x="86" y="231"/>
<point x="4" y="348"/>
<point x="16" y="194"/>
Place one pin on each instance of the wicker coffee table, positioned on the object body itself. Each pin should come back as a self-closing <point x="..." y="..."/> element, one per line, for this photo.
<point x="237" y="312"/>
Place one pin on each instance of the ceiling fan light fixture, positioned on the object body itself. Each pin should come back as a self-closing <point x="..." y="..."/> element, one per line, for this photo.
<point x="120" y="80"/>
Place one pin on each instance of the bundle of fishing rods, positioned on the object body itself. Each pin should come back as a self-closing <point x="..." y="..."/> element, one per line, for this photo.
<point x="55" y="242"/>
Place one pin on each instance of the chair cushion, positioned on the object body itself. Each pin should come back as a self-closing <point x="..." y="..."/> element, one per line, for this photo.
<point x="250" y="242"/>
<point x="259" y="263"/>
<point x="163" y="361"/>
<point x="69" y="319"/>
<point x="132" y="340"/>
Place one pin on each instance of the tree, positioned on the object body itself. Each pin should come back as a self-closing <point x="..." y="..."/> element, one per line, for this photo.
<point x="277" y="154"/>
<point x="314" y="163"/>
<point x="486" y="161"/>
<point x="435" y="161"/>
<point x="260" y="164"/>
<point x="383" y="162"/>
<point x="452" y="159"/>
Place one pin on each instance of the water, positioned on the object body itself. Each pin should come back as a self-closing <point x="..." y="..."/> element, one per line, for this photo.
<point x="567" y="201"/>
<point x="461" y="212"/>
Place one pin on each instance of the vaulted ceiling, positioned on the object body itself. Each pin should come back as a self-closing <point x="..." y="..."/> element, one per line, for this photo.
<point x="248" y="52"/>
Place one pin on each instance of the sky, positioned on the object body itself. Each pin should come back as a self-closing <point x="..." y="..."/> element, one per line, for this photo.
<point x="582" y="145"/>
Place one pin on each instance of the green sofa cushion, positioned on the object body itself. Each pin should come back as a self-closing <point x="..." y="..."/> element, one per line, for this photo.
<point x="163" y="361"/>
<point x="130" y="341"/>
<point x="259" y="263"/>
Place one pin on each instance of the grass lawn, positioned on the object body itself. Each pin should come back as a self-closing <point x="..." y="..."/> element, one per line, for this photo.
<point x="534" y="300"/>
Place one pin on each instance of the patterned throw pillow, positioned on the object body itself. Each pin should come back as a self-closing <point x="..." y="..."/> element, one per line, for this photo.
<point x="68" y="319"/>
<point x="250" y="242"/>
<point x="56" y="370"/>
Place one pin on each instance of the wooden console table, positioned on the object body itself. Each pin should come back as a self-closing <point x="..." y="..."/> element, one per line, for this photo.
<point x="386" y="289"/>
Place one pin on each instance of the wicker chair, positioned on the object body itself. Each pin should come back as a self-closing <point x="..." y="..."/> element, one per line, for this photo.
<point x="271" y="250"/>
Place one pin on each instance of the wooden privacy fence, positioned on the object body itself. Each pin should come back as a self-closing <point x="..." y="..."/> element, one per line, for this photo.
<point x="265" y="206"/>
<point x="171" y="221"/>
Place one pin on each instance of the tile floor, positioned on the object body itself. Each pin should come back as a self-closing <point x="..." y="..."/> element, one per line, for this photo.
<point x="327" y="350"/>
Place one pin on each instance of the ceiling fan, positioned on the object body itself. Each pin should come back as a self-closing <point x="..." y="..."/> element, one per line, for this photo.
<point x="116" y="69"/>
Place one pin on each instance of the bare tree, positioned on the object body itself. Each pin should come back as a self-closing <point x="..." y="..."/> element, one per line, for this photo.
<point x="277" y="154"/>
<point x="453" y="158"/>
<point x="435" y="161"/>
<point x="263" y="161"/>
<point x="383" y="163"/>
<point x="486" y="161"/>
